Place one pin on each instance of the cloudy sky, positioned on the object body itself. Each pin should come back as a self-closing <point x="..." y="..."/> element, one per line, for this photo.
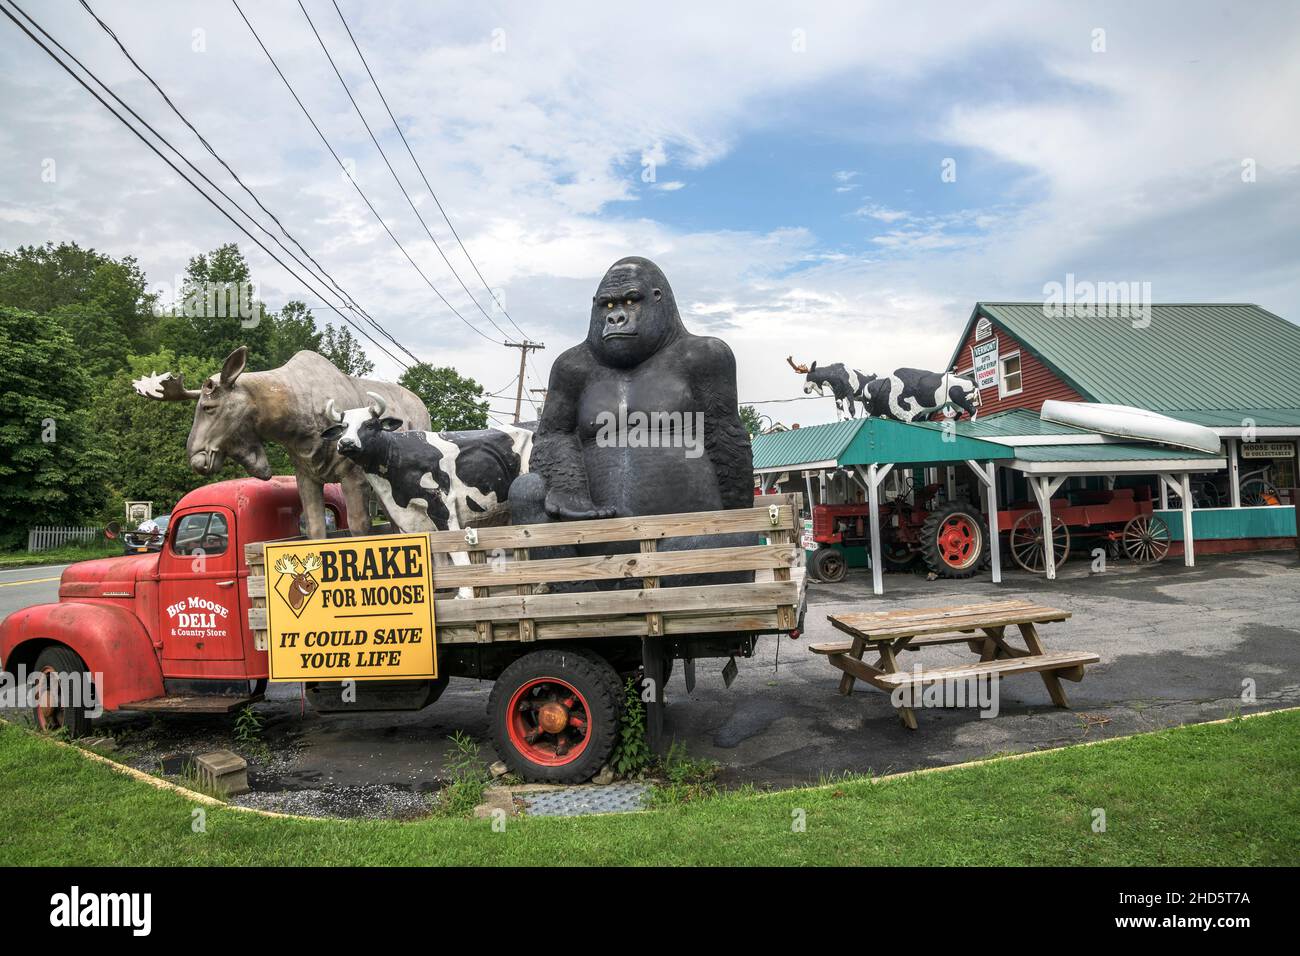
<point x="837" y="181"/>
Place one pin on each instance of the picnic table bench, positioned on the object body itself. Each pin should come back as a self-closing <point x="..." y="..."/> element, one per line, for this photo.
<point x="982" y="627"/>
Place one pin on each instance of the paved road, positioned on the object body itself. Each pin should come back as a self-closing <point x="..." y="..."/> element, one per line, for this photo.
<point x="20" y="587"/>
<point x="1176" y="645"/>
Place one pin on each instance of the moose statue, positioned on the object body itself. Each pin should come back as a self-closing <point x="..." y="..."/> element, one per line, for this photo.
<point x="238" y="412"/>
<point x="905" y="395"/>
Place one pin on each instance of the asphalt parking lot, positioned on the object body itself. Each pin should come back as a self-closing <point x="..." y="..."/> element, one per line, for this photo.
<point x="1177" y="645"/>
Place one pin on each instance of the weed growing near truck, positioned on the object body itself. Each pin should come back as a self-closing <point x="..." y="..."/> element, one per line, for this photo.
<point x="468" y="779"/>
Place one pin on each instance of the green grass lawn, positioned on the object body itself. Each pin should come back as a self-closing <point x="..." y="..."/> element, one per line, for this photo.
<point x="101" y="548"/>
<point x="1226" y="794"/>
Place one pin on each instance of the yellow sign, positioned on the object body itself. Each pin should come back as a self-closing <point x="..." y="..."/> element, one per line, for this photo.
<point x="351" y="609"/>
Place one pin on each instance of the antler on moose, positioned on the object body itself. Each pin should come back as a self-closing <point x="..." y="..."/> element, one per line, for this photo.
<point x="287" y="565"/>
<point x="165" y="387"/>
<point x="800" y="368"/>
<point x="311" y="563"/>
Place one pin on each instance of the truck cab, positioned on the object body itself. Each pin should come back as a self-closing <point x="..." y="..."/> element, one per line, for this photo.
<point x="163" y="631"/>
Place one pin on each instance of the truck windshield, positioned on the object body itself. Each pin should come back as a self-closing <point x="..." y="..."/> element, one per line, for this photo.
<point x="204" y="531"/>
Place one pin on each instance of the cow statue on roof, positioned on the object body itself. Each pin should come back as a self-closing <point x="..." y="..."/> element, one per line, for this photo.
<point x="905" y="395"/>
<point x="847" y="385"/>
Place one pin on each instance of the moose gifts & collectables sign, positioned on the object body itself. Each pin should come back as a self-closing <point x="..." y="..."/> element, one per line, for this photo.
<point x="351" y="609"/>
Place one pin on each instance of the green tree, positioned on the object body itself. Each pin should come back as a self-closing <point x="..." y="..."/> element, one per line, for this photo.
<point x="294" y="331"/>
<point x="341" y="348"/>
<point x="749" y="417"/>
<point x="216" y="312"/>
<point x="148" y="437"/>
<point x="103" y="302"/>
<point x="51" y="467"/>
<point x="455" y="403"/>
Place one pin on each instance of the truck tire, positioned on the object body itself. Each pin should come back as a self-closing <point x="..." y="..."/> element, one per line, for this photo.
<point x="955" y="540"/>
<point x="555" y="715"/>
<point x="828" y="565"/>
<point x="69" y="716"/>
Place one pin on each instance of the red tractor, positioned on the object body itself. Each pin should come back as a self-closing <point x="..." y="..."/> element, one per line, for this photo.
<point x="951" y="538"/>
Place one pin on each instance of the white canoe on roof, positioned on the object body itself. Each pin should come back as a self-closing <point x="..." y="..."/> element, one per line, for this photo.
<point x="1124" y="421"/>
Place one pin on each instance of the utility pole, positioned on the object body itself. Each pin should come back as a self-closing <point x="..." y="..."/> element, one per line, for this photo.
<point x="524" y="348"/>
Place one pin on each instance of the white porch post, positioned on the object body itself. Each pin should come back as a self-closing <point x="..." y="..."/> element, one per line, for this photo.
<point x="995" y="545"/>
<point x="1043" y="488"/>
<point x="807" y="483"/>
<point x="951" y="482"/>
<point x="1189" y="550"/>
<point x="875" y="474"/>
<point x="987" y="474"/>
<point x="1164" y="495"/>
<point x="1234" y="472"/>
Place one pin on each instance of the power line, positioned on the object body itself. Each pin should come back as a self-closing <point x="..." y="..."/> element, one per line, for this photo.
<point x="55" y="57"/>
<point x="427" y="185"/>
<point x="360" y="192"/>
<point x="324" y="275"/>
<point x="397" y="179"/>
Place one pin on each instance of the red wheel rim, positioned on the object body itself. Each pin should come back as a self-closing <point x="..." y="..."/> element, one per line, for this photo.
<point x="958" y="541"/>
<point x="548" y="721"/>
<point x="47" y="714"/>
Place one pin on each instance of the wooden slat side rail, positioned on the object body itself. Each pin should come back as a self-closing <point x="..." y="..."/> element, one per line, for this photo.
<point x="1049" y="661"/>
<point x="602" y="608"/>
<point x="654" y="619"/>
<point x="607" y="530"/>
<point x="611" y="567"/>
<point x="674" y="625"/>
<point x="527" y="630"/>
<point x="635" y="529"/>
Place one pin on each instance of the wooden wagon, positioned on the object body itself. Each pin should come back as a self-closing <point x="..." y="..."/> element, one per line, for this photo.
<point x="1120" y="519"/>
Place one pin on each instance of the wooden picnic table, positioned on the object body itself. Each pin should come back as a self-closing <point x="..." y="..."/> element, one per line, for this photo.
<point x="982" y="627"/>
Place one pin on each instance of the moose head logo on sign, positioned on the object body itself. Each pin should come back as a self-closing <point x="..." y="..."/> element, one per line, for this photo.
<point x="297" y="581"/>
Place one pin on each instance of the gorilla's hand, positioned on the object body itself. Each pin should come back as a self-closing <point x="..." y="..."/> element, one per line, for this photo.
<point x="571" y="507"/>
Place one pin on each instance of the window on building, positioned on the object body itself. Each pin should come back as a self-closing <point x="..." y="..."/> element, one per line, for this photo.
<point x="1009" y="382"/>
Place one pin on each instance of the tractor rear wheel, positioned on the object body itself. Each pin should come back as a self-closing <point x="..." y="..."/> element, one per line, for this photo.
<point x="954" y="540"/>
<point x="828" y="565"/>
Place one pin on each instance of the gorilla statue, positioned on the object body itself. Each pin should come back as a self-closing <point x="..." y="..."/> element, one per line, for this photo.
<point x="639" y="366"/>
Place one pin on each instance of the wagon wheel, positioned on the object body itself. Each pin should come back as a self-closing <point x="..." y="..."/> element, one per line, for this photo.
<point x="1028" y="544"/>
<point x="1258" y="492"/>
<point x="1146" y="539"/>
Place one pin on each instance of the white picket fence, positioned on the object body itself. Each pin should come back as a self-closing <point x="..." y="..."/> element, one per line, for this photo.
<point x="45" y="537"/>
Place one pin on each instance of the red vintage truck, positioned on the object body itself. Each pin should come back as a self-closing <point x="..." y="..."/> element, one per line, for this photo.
<point x="170" y="632"/>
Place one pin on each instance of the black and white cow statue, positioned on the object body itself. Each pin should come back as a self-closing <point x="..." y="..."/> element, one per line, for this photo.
<point x="847" y="385"/>
<point x="432" y="481"/>
<point x="912" y="393"/>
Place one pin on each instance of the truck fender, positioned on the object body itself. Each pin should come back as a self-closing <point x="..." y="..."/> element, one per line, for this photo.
<point x="111" y="640"/>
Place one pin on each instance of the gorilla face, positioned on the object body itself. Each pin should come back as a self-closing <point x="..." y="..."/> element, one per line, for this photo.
<point x="633" y="313"/>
